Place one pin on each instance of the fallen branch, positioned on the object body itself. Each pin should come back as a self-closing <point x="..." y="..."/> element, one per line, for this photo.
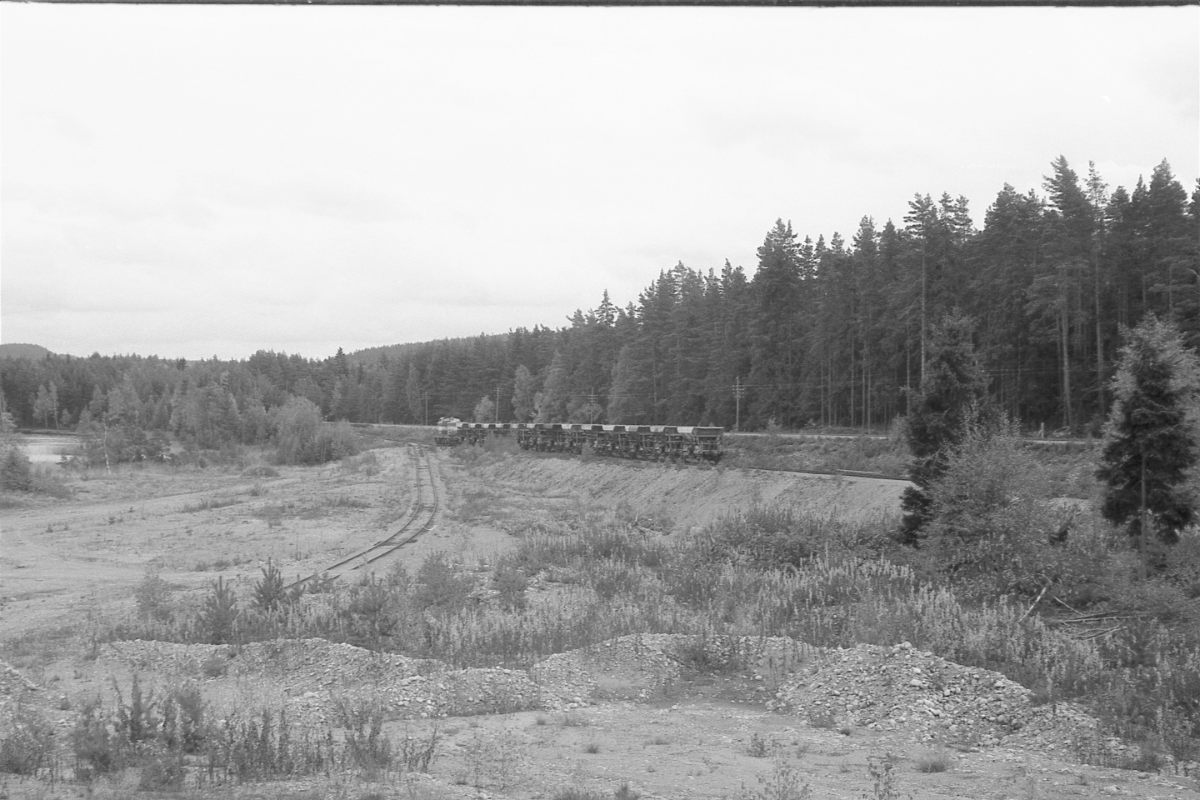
<point x="1037" y="600"/>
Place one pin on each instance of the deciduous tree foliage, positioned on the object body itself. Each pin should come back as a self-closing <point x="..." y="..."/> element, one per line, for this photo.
<point x="485" y="410"/>
<point x="524" y="392"/>
<point x="1152" y="440"/>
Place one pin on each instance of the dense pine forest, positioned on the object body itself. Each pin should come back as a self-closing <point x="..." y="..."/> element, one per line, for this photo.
<point x="826" y="332"/>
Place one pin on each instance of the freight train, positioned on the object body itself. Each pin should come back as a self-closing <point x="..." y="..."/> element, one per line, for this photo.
<point x="650" y="442"/>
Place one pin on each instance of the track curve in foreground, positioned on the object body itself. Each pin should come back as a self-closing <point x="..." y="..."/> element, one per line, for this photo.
<point x="420" y="518"/>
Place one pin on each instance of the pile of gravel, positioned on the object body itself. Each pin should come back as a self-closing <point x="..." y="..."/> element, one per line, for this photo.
<point x="464" y="692"/>
<point x="628" y="667"/>
<point x="318" y="676"/>
<point x="13" y="683"/>
<point x="304" y="663"/>
<point x="901" y="688"/>
<point x="895" y="688"/>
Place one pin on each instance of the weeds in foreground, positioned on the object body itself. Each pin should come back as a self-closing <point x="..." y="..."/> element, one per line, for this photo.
<point x="622" y="792"/>
<point x="882" y="770"/>
<point x="209" y="504"/>
<point x="171" y="739"/>
<point x="717" y="586"/>
<point x="934" y="761"/>
<point x="153" y="595"/>
<point x="494" y="759"/>
<point x="758" y="747"/>
<point x="27" y="744"/>
<point x="782" y="783"/>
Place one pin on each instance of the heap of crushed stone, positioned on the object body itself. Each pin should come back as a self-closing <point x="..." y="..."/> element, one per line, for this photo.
<point x="13" y="683"/>
<point x="896" y="688"/>
<point x="628" y="667"/>
<point x="901" y="688"/>
<point x="302" y="662"/>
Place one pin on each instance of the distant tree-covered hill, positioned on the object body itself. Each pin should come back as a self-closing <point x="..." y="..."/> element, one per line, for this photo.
<point x="17" y="350"/>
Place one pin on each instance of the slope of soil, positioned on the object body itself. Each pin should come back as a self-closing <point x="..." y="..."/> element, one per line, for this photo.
<point x="688" y="496"/>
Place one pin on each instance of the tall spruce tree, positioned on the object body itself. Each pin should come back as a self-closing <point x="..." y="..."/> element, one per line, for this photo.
<point x="1152" y="440"/>
<point x="952" y="397"/>
<point x="775" y="334"/>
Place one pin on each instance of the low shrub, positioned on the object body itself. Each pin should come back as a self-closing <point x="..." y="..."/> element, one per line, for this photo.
<point x="417" y="754"/>
<point x="162" y="772"/>
<point x="152" y="596"/>
<point x="511" y="583"/>
<point x="440" y="587"/>
<point x="366" y="747"/>
<point x="27" y="744"/>
<point x="218" y="613"/>
<point x="782" y="783"/>
<point x="16" y="470"/>
<point x="934" y="761"/>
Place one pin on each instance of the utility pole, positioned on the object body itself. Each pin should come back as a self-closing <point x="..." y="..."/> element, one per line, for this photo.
<point x="497" y="414"/>
<point x="738" y="390"/>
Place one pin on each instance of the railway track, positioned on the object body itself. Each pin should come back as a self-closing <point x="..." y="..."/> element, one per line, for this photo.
<point x="848" y="473"/>
<point x="421" y="517"/>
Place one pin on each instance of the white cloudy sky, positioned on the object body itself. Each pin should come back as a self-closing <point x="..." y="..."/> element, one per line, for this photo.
<point x="210" y="180"/>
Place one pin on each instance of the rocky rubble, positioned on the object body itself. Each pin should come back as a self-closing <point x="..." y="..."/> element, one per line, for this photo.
<point x="897" y="688"/>
<point x="900" y="688"/>
<point x="12" y="683"/>
<point x="629" y="667"/>
<point x="303" y="663"/>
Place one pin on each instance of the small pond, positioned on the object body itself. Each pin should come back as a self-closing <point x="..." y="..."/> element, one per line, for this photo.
<point x="47" y="448"/>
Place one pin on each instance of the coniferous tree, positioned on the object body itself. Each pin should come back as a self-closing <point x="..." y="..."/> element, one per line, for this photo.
<point x="774" y="334"/>
<point x="1152" y="440"/>
<point x="414" y="396"/>
<point x="551" y="402"/>
<point x="953" y="395"/>
<point x="627" y="397"/>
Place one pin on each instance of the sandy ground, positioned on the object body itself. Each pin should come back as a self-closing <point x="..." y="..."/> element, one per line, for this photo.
<point x="64" y="561"/>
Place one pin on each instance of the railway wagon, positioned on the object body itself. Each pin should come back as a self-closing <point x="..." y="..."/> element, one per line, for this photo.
<point x="650" y="442"/>
<point x="446" y="432"/>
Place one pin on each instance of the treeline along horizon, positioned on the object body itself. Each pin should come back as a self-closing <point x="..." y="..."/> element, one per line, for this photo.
<point x="823" y="332"/>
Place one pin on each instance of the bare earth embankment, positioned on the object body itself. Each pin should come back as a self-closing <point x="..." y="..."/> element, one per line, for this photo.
<point x="636" y="711"/>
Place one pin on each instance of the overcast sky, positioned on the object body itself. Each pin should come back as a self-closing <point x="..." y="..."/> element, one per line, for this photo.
<point x="212" y="180"/>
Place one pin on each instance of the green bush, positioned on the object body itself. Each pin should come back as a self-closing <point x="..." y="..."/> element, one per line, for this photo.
<point x="28" y="742"/>
<point x="511" y="584"/>
<point x="97" y="747"/>
<point x="16" y="471"/>
<point x="219" y="613"/>
<point x="367" y="748"/>
<point x="440" y="587"/>
<point x="152" y="595"/>
<point x="992" y="527"/>
<point x="269" y="592"/>
<point x="162" y="772"/>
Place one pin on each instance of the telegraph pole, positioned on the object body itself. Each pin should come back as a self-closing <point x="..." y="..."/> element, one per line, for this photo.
<point x="739" y="389"/>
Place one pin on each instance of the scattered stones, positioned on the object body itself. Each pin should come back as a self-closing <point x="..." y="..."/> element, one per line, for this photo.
<point x="13" y="683"/>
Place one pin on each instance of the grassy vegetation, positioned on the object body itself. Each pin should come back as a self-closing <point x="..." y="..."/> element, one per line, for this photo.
<point x="757" y="574"/>
<point x="1072" y="618"/>
<point x="887" y="456"/>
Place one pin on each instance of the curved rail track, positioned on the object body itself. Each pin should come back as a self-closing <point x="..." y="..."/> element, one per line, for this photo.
<point x="421" y="517"/>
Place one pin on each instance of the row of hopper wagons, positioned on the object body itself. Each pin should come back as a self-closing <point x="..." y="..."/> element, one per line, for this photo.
<point x="649" y="442"/>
